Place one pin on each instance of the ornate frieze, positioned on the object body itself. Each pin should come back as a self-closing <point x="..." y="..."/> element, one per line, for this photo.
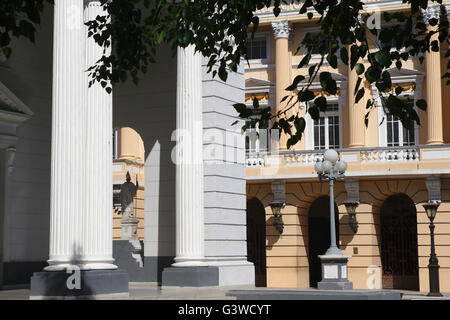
<point x="431" y="12"/>
<point x="281" y="29"/>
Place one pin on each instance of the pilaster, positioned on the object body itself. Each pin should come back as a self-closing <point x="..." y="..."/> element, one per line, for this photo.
<point x="281" y="30"/>
<point x="433" y="81"/>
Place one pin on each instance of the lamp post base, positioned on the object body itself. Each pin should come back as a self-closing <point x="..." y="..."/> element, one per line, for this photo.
<point x="334" y="272"/>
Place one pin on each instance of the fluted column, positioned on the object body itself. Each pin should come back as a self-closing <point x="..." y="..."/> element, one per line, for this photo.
<point x="281" y="30"/>
<point x="97" y="184"/>
<point x="69" y="82"/>
<point x="433" y="82"/>
<point x="189" y="161"/>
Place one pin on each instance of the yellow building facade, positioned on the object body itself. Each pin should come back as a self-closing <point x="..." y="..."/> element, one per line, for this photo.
<point x="391" y="171"/>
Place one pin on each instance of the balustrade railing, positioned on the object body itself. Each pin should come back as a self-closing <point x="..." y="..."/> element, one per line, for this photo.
<point x="310" y="157"/>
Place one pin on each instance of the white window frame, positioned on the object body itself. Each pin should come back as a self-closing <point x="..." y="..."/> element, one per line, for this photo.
<point x="261" y="35"/>
<point x="341" y="100"/>
<point x="417" y="94"/>
<point x="304" y="50"/>
<point x="257" y="148"/>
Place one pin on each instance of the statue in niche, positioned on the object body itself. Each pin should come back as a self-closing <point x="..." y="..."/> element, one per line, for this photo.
<point x="128" y="191"/>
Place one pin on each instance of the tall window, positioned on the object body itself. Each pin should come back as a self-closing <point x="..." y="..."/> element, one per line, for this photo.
<point x="257" y="48"/>
<point x="326" y="129"/>
<point x="396" y="134"/>
<point x="256" y="140"/>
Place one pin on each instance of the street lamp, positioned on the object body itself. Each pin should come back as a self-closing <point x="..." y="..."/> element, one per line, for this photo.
<point x="433" y="266"/>
<point x="334" y="263"/>
<point x="278" y="223"/>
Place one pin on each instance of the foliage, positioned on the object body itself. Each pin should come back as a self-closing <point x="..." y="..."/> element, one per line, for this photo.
<point x="18" y="18"/>
<point x="220" y="29"/>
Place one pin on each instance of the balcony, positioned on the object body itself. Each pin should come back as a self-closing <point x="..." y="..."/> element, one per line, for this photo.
<point x="420" y="160"/>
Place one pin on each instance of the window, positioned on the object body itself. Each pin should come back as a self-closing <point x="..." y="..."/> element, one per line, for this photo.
<point x="396" y="134"/>
<point x="326" y="130"/>
<point x="256" y="140"/>
<point x="315" y="33"/>
<point x="257" y="48"/>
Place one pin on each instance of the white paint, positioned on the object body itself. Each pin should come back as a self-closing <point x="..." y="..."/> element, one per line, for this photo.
<point x="189" y="245"/>
<point x="330" y="271"/>
<point x="97" y="190"/>
<point x="69" y="83"/>
<point x="350" y="157"/>
<point x="435" y="154"/>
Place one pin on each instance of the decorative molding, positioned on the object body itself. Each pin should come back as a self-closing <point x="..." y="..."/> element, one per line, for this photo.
<point x="431" y="12"/>
<point x="434" y="188"/>
<point x="281" y="29"/>
<point x="352" y="188"/>
<point x="279" y="190"/>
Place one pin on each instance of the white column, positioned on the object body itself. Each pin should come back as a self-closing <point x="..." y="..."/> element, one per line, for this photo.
<point x="189" y="161"/>
<point x="97" y="184"/>
<point x="66" y="201"/>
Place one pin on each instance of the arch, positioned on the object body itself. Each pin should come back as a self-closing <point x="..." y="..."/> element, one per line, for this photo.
<point x="319" y="237"/>
<point x="398" y="243"/>
<point x="256" y="239"/>
<point x="128" y="156"/>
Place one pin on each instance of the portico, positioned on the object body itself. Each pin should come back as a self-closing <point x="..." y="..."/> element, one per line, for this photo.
<point x="190" y="236"/>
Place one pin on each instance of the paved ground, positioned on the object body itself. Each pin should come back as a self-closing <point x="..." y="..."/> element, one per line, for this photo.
<point x="150" y="291"/>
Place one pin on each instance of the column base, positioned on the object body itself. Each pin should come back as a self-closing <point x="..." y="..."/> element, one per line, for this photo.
<point x="83" y="284"/>
<point x="190" y="277"/>
<point x="334" y="272"/>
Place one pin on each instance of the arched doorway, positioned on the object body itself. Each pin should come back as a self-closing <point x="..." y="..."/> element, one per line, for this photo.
<point x="319" y="235"/>
<point x="128" y="156"/>
<point x="256" y="239"/>
<point x="399" y="253"/>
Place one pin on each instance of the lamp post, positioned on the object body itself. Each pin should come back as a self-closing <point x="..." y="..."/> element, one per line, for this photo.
<point x="433" y="266"/>
<point x="334" y="263"/>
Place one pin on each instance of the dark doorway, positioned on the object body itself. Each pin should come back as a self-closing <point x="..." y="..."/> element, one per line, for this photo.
<point x="399" y="255"/>
<point x="256" y="239"/>
<point x="319" y="235"/>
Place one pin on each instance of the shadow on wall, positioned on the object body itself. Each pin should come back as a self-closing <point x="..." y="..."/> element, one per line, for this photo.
<point x="274" y="235"/>
<point x="346" y="232"/>
<point x="70" y="282"/>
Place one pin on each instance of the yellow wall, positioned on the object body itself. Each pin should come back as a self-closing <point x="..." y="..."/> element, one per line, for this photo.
<point x="299" y="29"/>
<point x="287" y="259"/>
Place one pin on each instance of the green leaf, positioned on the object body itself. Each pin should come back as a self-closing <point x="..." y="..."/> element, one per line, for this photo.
<point x="359" y="95"/>
<point x="321" y="102"/>
<point x="373" y="73"/>
<point x="314" y="112"/>
<point x="421" y="104"/>
<point x="295" y="83"/>
<point x="359" y="69"/>
<point x="305" y="95"/>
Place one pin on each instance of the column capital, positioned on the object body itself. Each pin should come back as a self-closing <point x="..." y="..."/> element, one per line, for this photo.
<point x="431" y="12"/>
<point x="281" y="29"/>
